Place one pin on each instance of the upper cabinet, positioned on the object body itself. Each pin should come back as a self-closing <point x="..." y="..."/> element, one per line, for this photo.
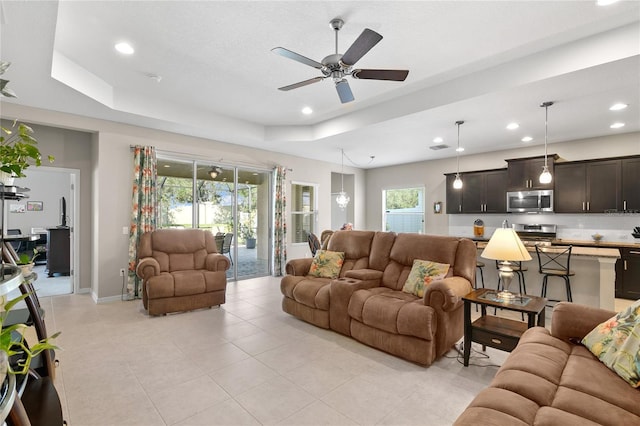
<point x="631" y="184"/>
<point x="482" y="192"/>
<point x="524" y="173"/>
<point x="597" y="186"/>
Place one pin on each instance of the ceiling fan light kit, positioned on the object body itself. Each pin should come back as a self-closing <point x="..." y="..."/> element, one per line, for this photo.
<point x="337" y="66"/>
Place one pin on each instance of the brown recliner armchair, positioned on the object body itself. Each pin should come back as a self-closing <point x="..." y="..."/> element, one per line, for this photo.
<point x="181" y="270"/>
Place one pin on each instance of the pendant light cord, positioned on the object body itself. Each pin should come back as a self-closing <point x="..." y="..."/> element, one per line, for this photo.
<point x="546" y="106"/>
<point x="458" y="151"/>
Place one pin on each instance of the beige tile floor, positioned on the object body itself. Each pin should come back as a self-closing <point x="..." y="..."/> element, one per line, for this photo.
<point x="247" y="363"/>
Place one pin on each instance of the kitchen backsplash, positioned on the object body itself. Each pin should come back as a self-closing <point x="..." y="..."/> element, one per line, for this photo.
<point x="615" y="227"/>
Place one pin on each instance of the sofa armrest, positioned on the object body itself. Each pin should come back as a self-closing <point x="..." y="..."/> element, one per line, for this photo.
<point x="364" y="275"/>
<point x="217" y="262"/>
<point x="572" y="321"/>
<point x="447" y="294"/>
<point x="341" y="291"/>
<point x="147" y="267"/>
<point x="299" y="267"/>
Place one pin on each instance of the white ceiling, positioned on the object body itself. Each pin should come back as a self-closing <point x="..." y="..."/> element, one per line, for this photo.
<point x="485" y="62"/>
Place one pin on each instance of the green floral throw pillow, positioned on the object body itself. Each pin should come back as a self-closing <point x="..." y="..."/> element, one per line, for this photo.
<point x="423" y="272"/>
<point x="326" y="264"/>
<point x="616" y="342"/>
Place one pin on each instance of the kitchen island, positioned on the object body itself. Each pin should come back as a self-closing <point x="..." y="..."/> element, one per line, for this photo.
<point x="594" y="281"/>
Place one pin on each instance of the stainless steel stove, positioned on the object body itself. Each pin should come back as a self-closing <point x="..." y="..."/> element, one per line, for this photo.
<point x="535" y="234"/>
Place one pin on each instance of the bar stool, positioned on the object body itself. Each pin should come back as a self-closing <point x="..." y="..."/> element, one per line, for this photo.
<point x="550" y="265"/>
<point x="479" y="266"/>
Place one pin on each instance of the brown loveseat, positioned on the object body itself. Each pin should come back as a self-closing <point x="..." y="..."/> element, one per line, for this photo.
<point x="551" y="379"/>
<point x="367" y="303"/>
<point x="181" y="270"/>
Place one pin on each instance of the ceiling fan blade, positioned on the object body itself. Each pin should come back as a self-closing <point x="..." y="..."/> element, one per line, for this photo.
<point x="296" y="57"/>
<point x="361" y="46"/>
<point x="301" y="83"/>
<point x="344" y="91"/>
<point x="395" y="75"/>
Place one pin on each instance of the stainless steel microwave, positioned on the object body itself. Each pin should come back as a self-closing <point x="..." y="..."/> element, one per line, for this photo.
<point x="530" y="201"/>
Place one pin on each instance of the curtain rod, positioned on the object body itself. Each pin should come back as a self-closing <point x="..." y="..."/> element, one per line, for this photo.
<point x="191" y="157"/>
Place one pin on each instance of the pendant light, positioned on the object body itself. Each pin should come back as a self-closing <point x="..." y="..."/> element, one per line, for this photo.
<point x="342" y="199"/>
<point x="457" y="183"/>
<point x="545" y="176"/>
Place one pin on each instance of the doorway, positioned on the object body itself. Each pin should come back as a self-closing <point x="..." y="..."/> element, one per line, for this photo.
<point x="51" y="213"/>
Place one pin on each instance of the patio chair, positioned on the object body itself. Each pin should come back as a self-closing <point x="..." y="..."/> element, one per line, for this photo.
<point x="226" y="245"/>
<point x="314" y="243"/>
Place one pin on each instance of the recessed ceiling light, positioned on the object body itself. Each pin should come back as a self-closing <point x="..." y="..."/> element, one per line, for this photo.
<point x="166" y="165"/>
<point x="307" y="110"/>
<point x="527" y="139"/>
<point x="606" y="2"/>
<point x="617" y="107"/>
<point x="124" y="48"/>
<point x="512" y="126"/>
<point x="459" y="149"/>
<point x="438" y="140"/>
<point x="617" y="125"/>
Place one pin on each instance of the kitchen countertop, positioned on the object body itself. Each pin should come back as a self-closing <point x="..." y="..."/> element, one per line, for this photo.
<point x="603" y="244"/>
<point x="591" y="251"/>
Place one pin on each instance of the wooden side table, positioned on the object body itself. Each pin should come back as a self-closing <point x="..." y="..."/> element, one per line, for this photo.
<point x="496" y="332"/>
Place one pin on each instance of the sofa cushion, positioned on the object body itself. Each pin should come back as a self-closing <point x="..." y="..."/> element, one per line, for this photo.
<point x="393" y="311"/>
<point x="423" y="272"/>
<point x="326" y="264"/>
<point x="616" y="342"/>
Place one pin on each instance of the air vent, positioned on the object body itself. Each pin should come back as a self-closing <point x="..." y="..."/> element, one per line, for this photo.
<point x="438" y="147"/>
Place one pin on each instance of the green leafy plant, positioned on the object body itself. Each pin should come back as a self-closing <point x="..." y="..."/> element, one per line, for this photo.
<point x="12" y="340"/>
<point x="19" y="150"/>
<point x="25" y="259"/>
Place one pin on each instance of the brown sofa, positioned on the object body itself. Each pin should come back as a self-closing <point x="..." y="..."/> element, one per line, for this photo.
<point x="181" y="270"/>
<point x="367" y="303"/>
<point x="551" y="379"/>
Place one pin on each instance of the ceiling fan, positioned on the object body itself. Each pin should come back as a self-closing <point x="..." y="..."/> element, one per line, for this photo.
<point x="337" y="66"/>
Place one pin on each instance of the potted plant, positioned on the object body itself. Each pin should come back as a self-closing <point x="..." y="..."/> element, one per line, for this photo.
<point x="26" y="262"/>
<point x="18" y="151"/>
<point x="13" y="343"/>
<point x="249" y="236"/>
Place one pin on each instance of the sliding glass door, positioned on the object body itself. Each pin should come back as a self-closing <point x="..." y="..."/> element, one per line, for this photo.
<point x="231" y="202"/>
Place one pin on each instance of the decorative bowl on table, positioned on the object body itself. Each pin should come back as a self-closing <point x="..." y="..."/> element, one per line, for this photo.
<point x="636" y="234"/>
<point x="597" y="237"/>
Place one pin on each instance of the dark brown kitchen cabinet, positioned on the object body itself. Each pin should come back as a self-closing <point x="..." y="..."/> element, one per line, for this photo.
<point x="569" y="194"/>
<point x="524" y="173"/>
<point x="598" y="186"/>
<point x="630" y="184"/>
<point x="628" y="274"/>
<point x="482" y="192"/>
<point x="587" y="187"/>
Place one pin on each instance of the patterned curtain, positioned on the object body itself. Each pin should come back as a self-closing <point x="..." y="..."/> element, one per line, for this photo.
<point x="144" y="210"/>
<point x="280" y="225"/>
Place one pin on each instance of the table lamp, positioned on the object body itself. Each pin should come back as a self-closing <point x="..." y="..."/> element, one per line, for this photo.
<point x="505" y="246"/>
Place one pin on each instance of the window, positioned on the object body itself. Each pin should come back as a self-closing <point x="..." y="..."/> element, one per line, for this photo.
<point x="303" y="211"/>
<point x="403" y="210"/>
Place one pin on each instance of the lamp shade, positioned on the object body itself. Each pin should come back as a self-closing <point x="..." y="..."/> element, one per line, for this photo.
<point x="505" y="245"/>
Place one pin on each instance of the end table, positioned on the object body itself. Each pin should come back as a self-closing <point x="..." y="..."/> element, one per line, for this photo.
<point x="496" y="332"/>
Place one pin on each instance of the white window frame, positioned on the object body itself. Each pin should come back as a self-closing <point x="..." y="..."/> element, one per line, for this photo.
<point x="313" y="212"/>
